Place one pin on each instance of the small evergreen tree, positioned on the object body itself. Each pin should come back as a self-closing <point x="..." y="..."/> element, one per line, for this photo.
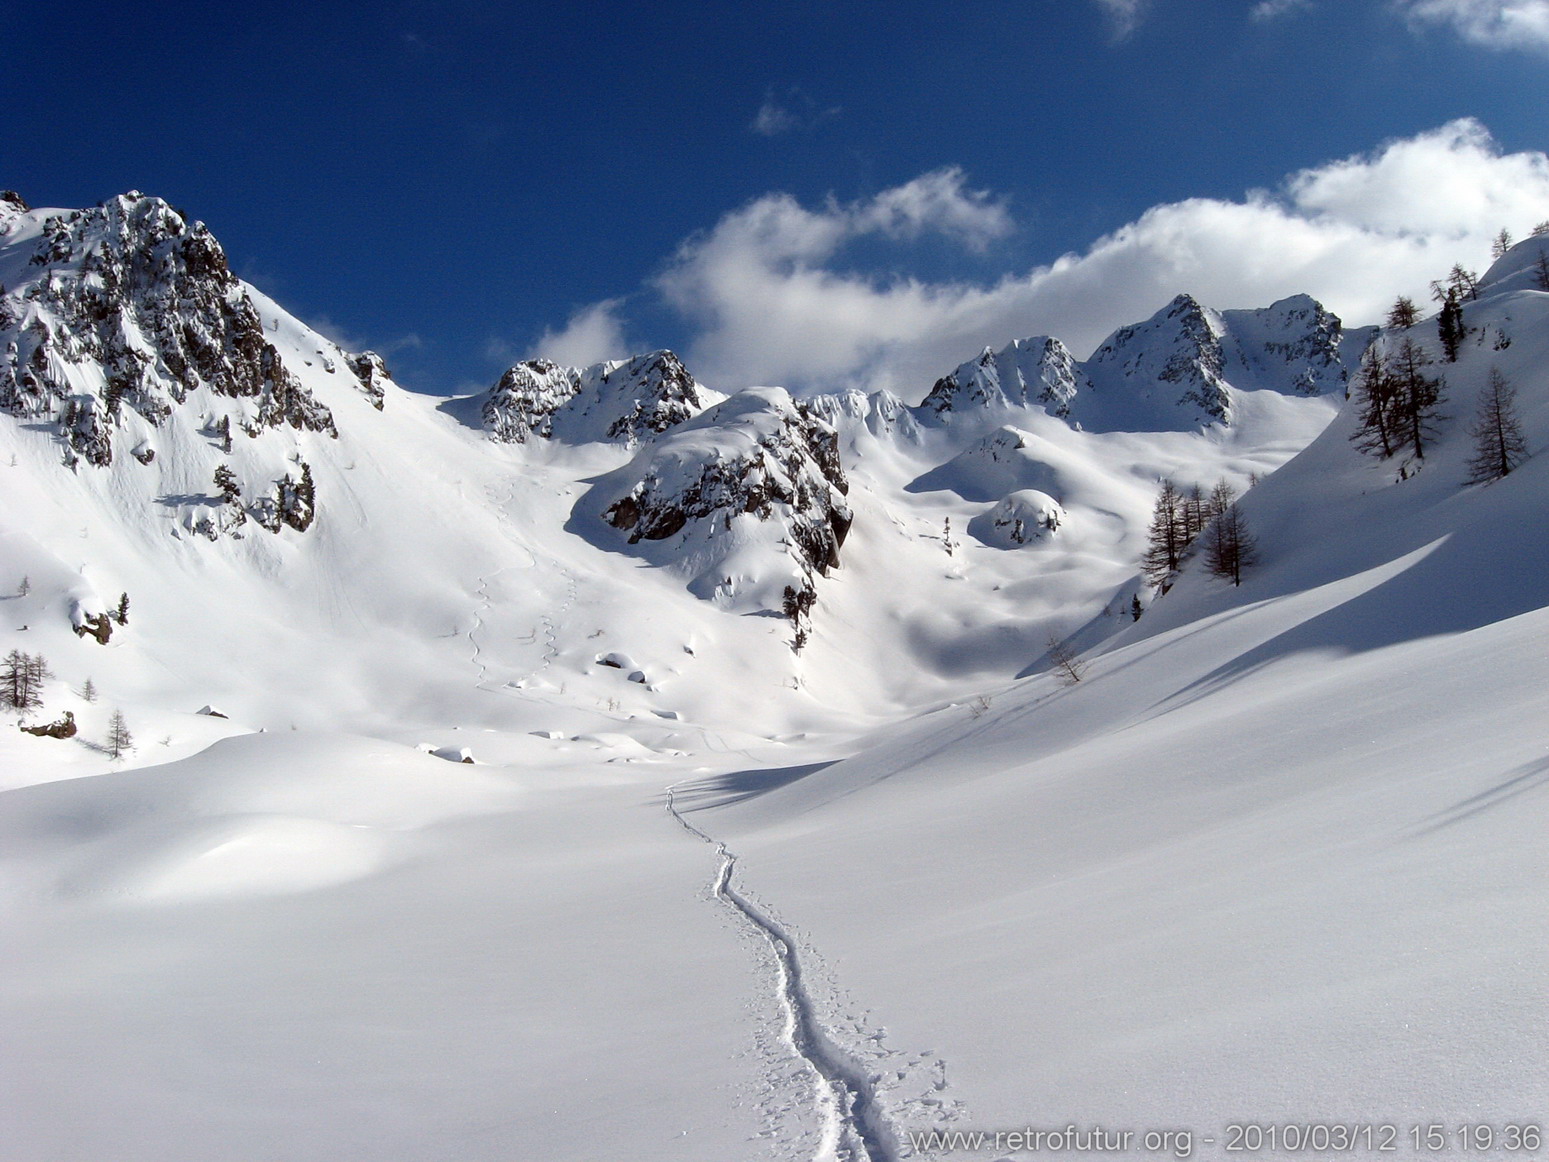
<point x="1500" y="244"/>
<point x="1135" y="608"/>
<point x="1541" y="270"/>
<point x="25" y="587"/>
<point x="1403" y="314"/>
<point x="1450" y="326"/>
<point x="88" y="691"/>
<point x="121" y="614"/>
<point x="946" y="537"/>
<point x="1229" y="545"/>
<point x="119" y="739"/>
<point x="1499" y="446"/>
<point x="226" y="481"/>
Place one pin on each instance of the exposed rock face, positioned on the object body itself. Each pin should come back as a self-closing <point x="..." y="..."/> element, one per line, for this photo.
<point x="126" y="305"/>
<point x="372" y="374"/>
<point x="1290" y="346"/>
<point x="1174" y="371"/>
<point x="626" y="401"/>
<point x="1175" y="357"/>
<point x="757" y="473"/>
<point x="1038" y="372"/>
<point x="523" y="402"/>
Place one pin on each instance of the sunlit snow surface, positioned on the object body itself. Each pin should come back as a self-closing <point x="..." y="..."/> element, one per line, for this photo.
<point x="1278" y="857"/>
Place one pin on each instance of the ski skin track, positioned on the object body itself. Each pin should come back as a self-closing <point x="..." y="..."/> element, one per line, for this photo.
<point x="854" y="1129"/>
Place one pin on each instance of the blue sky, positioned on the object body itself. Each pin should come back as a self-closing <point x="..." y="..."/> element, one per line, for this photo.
<point x="816" y="192"/>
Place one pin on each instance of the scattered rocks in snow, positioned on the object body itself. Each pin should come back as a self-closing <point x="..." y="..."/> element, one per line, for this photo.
<point x="62" y="728"/>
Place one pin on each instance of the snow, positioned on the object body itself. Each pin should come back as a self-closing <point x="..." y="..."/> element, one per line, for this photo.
<point x="1277" y="856"/>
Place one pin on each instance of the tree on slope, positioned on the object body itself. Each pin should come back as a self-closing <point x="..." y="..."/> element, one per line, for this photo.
<point x="1375" y="395"/>
<point x="1229" y="545"/>
<point x="1417" y="398"/>
<point x="1499" y="445"/>
<point x="1166" y="539"/>
<point x="119" y="738"/>
<point x="1450" y="326"/>
<point x="1403" y="314"/>
<point x="21" y="679"/>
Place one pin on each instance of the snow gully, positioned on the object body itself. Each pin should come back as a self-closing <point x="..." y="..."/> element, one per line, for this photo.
<point x="853" y="1127"/>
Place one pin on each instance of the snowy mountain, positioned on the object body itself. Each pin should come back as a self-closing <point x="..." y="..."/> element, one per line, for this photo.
<point x="626" y="401"/>
<point x="606" y="766"/>
<point x="1176" y="371"/>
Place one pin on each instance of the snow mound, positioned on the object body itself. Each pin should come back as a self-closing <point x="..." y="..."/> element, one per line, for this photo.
<point x="258" y="814"/>
<point x="1020" y="518"/>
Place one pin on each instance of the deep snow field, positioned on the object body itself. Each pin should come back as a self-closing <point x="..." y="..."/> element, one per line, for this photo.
<point x="1278" y="858"/>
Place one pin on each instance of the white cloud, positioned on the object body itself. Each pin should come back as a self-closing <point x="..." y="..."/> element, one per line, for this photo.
<point x="787" y="111"/>
<point x="769" y="300"/>
<point x="1124" y="16"/>
<point x="771" y="120"/>
<point x="1522" y="24"/>
<point x="1275" y="9"/>
<point x="594" y="333"/>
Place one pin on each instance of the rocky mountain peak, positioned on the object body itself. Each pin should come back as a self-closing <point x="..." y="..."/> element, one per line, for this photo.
<point x="625" y="401"/>
<point x="126" y="308"/>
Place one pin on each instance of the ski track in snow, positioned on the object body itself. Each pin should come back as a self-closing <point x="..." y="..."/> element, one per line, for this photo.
<point x="852" y="1126"/>
<point x="546" y="621"/>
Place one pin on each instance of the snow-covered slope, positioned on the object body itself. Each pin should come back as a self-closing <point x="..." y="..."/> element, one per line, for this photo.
<point x="711" y="885"/>
<point x="1276" y="858"/>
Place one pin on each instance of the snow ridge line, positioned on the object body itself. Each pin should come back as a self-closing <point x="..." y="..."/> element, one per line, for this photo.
<point x="853" y="1126"/>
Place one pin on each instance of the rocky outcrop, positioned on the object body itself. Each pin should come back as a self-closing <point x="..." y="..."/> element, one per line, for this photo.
<point x="1175" y="359"/>
<point x="127" y="306"/>
<point x="1038" y="372"/>
<point x="625" y="402"/>
<point x="372" y="375"/>
<point x="758" y="474"/>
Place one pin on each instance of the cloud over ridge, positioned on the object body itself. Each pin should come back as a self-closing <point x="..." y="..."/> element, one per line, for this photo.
<point x="768" y="298"/>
